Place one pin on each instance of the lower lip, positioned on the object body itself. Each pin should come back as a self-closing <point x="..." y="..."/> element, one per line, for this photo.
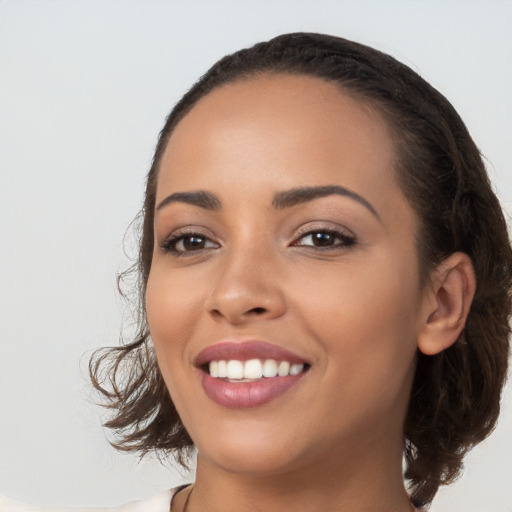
<point x="238" y="395"/>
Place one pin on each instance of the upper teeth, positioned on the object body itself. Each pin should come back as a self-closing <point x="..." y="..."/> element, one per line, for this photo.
<point x="253" y="369"/>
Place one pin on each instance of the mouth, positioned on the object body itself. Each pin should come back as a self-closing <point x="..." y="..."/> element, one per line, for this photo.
<point x="235" y="370"/>
<point x="248" y="374"/>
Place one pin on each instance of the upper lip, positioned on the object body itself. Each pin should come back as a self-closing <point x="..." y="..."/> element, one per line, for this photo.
<point x="245" y="350"/>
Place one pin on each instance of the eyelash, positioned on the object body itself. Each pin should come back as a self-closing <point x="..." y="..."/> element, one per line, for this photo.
<point x="346" y="241"/>
<point x="169" y="245"/>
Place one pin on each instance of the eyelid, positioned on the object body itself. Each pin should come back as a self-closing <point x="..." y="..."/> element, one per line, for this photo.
<point x="308" y="227"/>
<point x="329" y="227"/>
<point x="347" y="237"/>
<point x="169" y="243"/>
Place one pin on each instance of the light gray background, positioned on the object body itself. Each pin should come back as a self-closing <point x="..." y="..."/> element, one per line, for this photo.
<point x="85" y="87"/>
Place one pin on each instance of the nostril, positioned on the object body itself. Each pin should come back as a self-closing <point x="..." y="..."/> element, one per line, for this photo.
<point x="257" y="311"/>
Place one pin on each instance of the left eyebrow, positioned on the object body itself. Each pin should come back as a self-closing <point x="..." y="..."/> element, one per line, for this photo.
<point x="289" y="198"/>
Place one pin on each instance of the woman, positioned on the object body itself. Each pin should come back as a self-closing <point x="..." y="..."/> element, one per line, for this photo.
<point x="316" y="210"/>
<point x="324" y="282"/>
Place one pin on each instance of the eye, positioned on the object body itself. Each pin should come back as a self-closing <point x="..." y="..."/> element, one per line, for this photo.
<point x="188" y="243"/>
<point x="325" y="239"/>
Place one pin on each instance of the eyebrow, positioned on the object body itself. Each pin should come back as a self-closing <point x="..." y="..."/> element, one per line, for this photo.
<point x="203" y="199"/>
<point x="300" y="195"/>
<point x="281" y="200"/>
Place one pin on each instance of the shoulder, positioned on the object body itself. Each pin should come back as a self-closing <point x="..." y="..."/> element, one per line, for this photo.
<point x="158" y="503"/>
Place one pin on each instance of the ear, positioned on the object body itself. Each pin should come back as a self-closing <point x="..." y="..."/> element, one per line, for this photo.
<point x="447" y="302"/>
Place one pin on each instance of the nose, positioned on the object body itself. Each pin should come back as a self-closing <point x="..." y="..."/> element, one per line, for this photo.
<point x="247" y="289"/>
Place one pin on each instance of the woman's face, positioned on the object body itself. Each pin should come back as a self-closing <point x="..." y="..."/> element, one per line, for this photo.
<point x="282" y="236"/>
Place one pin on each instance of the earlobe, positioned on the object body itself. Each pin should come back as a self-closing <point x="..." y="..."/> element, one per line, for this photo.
<point x="448" y="300"/>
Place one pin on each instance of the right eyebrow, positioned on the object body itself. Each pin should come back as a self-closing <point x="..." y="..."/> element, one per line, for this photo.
<point x="200" y="198"/>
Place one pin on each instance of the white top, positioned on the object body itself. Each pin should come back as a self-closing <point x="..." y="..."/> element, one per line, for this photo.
<point x="159" y="503"/>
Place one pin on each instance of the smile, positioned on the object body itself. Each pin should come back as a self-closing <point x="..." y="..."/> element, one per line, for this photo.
<point x="253" y="369"/>
<point x="248" y="374"/>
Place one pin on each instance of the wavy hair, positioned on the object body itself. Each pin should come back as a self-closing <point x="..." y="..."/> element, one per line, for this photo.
<point x="455" y="397"/>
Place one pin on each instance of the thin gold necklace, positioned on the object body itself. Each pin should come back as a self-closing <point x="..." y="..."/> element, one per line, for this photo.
<point x="185" y="506"/>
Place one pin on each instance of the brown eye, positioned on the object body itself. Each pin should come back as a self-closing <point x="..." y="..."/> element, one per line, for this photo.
<point x="325" y="240"/>
<point x="191" y="243"/>
<point x="187" y="243"/>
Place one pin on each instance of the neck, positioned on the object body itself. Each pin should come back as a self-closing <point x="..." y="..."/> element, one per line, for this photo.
<point x="363" y="484"/>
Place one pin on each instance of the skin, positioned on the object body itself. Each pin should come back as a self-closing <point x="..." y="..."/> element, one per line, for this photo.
<point x="356" y="312"/>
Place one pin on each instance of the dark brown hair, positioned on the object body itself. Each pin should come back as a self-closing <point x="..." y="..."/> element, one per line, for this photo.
<point x="455" y="397"/>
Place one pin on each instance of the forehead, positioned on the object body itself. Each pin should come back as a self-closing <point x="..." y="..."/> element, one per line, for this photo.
<point x="286" y="127"/>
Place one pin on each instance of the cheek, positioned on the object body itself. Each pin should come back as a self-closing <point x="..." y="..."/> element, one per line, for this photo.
<point x="171" y="302"/>
<point x="172" y="307"/>
<point x="356" y="296"/>
<point x="366" y="321"/>
<point x="369" y="342"/>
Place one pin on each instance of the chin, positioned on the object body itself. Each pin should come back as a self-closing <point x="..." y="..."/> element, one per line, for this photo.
<point x="249" y="453"/>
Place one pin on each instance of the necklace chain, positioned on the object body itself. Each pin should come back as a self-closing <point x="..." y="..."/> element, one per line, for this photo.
<point x="185" y="505"/>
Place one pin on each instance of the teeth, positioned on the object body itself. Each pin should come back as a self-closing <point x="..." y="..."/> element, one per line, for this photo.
<point x="214" y="368"/>
<point x="222" y="369"/>
<point x="270" y="368"/>
<point x="235" y="369"/>
<point x="295" y="369"/>
<point x="253" y="369"/>
<point x="284" y="369"/>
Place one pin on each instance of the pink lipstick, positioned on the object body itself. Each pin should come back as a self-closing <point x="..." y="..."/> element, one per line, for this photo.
<point x="248" y="374"/>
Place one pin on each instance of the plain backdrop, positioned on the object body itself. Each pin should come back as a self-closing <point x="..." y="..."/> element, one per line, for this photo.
<point x="84" y="90"/>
